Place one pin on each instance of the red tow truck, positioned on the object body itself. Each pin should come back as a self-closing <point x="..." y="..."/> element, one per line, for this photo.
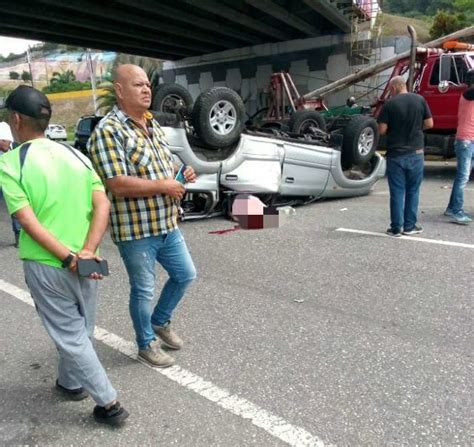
<point x="435" y="73"/>
<point x="439" y="78"/>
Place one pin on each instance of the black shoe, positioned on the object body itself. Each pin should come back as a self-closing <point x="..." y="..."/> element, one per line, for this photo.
<point x="415" y="230"/>
<point x="76" y="394"/>
<point x="394" y="233"/>
<point x="115" y="415"/>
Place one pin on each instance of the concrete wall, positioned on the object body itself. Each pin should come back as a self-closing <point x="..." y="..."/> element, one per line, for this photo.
<point x="312" y="63"/>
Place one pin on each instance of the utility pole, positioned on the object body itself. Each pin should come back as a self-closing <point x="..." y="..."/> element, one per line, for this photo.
<point x="92" y="75"/>
<point x="46" y="71"/>
<point x="28" y="58"/>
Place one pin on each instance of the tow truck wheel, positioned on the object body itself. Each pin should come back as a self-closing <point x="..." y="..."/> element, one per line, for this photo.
<point x="302" y="121"/>
<point x="361" y="138"/>
<point x="218" y="117"/>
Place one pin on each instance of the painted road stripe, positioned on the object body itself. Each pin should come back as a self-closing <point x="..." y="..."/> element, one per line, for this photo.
<point x="408" y="238"/>
<point x="272" y="424"/>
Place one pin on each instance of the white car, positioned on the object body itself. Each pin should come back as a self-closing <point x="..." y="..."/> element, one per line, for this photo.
<point x="55" y="132"/>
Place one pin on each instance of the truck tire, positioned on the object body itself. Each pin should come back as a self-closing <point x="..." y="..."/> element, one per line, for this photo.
<point x="166" y="119"/>
<point x="167" y="96"/>
<point x="218" y="117"/>
<point x="302" y="120"/>
<point x="361" y="137"/>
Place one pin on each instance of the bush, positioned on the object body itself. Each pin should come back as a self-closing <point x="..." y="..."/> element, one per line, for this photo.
<point x="73" y="86"/>
<point x="25" y="76"/>
<point x="14" y="75"/>
<point x="447" y="23"/>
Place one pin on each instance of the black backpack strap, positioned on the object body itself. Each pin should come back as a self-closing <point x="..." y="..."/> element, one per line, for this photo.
<point x="73" y="151"/>
<point x="23" y="151"/>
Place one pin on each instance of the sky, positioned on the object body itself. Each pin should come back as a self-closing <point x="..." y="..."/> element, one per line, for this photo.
<point x="12" y="45"/>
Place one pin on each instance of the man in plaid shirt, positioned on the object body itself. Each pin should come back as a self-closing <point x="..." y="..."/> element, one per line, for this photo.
<point x="130" y="153"/>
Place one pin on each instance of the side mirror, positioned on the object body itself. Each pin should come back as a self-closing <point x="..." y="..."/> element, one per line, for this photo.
<point x="443" y="86"/>
<point x="445" y="68"/>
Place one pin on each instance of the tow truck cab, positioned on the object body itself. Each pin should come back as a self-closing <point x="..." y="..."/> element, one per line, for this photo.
<point x="440" y="79"/>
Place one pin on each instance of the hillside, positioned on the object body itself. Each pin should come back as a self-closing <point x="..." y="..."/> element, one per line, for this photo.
<point x="393" y="25"/>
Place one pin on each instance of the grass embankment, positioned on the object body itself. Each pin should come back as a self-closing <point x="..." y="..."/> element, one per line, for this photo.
<point x="68" y="111"/>
<point x="67" y="107"/>
<point x="397" y="26"/>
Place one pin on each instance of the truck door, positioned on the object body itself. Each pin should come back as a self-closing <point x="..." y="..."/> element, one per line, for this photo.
<point x="306" y="169"/>
<point x="441" y="86"/>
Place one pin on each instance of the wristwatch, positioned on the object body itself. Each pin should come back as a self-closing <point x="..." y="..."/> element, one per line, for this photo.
<point x="68" y="259"/>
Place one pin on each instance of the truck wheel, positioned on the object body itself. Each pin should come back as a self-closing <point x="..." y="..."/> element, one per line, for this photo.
<point x="361" y="137"/>
<point x="218" y="117"/>
<point x="302" y="120"/>
<point x="167" y="97"/>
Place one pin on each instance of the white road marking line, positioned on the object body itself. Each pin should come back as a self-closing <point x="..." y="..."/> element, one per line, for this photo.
<point x="408" y="238"/>
<point x="271" y="423"/>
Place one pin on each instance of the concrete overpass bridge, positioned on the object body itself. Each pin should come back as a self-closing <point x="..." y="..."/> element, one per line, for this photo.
<point x="174" y="29"/>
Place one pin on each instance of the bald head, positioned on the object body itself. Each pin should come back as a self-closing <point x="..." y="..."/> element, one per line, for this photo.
<point x="398" y="85"/>
<point x="126" y="71"/>
<point x="132" y="89"/>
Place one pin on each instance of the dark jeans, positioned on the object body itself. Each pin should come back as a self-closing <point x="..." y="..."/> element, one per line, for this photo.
<point x="405" y="174"/>
<point x="16" y="227"/>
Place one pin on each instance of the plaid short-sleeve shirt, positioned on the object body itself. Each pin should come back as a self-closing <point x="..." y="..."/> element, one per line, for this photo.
<point x="118" y="146"/>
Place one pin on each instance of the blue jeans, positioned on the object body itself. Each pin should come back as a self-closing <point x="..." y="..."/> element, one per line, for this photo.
<point x="139" y="257"/>
<point x="464" y="155"/>
<point x="405" y="174"/>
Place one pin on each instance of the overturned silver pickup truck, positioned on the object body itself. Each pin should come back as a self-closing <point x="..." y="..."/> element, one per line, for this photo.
<point x="276" y="165"/>
<point x="279" y="168"/>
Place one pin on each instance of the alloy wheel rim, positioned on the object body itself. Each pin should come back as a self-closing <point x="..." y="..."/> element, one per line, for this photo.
<point x="366" y="141"/>
<point x="223" y="117"/>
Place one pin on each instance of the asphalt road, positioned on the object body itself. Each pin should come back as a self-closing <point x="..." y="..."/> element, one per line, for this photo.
<point x="351" y="338"/>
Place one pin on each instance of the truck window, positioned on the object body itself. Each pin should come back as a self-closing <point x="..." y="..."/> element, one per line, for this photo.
<point x="459" y="69"/>
<point x="462" y="69"/>
<point x="434" y="79"/>
<point x="85" y="125"/>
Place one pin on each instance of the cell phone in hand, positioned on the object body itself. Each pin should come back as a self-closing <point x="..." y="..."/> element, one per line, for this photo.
<point x="180" y="175"/>
<point x="85" y="267"/>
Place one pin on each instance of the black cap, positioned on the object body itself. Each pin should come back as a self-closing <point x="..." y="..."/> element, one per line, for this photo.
<point x="29" y="101"/>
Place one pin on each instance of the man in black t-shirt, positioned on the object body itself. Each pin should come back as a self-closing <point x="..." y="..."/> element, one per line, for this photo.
<point x="403" y="118"/>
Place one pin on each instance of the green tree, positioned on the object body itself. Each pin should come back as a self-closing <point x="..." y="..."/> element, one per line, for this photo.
<point x="466" y="7"/>
<point x="25" y="76"/>
<point x="447" y="23"/>
<point x="107" y="99"/>
<point x="65" y="77"/>
<point x="14" y="75"/>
